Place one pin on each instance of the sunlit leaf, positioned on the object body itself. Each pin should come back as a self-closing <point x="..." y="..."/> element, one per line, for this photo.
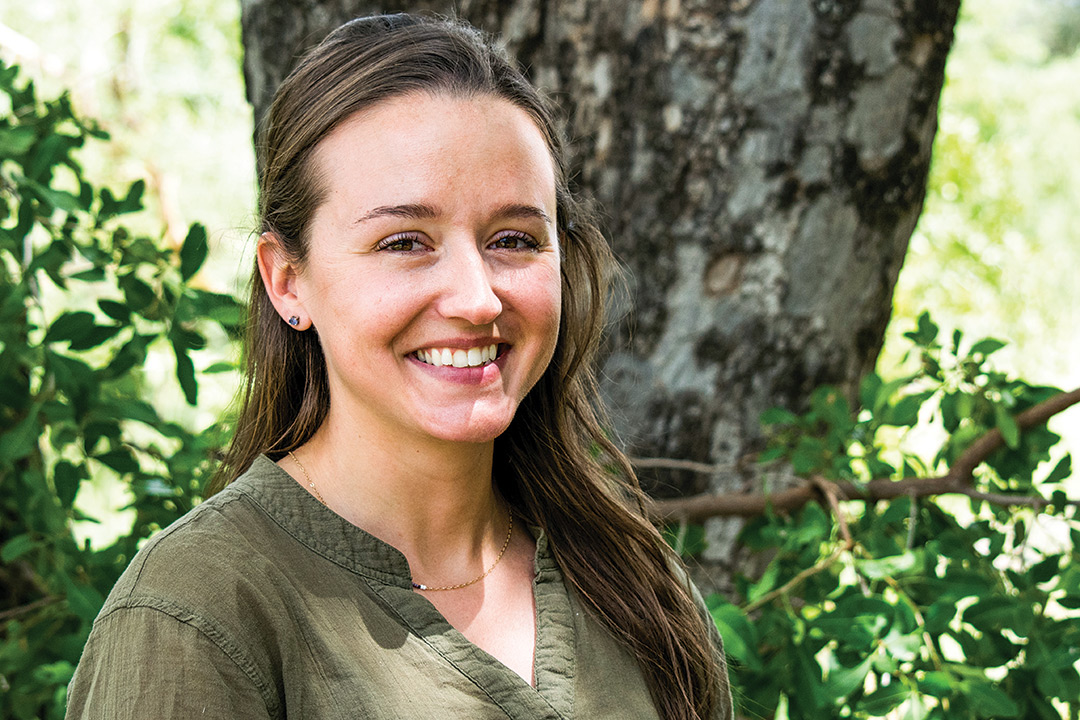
<point x="887" y="567"/>
<point x="884" y="699"/>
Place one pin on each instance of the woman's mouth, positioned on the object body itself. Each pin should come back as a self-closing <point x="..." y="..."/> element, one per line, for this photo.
<point x="458" y="357"/>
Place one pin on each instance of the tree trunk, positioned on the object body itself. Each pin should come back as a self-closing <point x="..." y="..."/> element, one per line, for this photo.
<point x="761" y="165"/>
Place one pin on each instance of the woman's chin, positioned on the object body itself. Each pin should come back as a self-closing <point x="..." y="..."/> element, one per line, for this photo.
<point x="476" y="430"/>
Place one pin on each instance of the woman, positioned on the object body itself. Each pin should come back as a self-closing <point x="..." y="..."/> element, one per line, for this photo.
<point x="421" y="515"/>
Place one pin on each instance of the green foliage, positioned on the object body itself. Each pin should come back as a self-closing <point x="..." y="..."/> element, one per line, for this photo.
<point x="995" y="246"/>
<point x="938" y="607"/>
<point x="85" y="304"/>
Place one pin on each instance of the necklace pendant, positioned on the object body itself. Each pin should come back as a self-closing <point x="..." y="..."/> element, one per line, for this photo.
<point x="418" y="586"/>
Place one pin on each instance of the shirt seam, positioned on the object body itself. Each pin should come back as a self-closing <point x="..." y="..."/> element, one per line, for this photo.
<point x="212" y="633"/>
<point x="156" y="540"/>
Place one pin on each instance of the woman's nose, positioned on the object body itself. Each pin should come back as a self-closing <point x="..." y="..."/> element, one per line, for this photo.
<point x="469" y="291"/>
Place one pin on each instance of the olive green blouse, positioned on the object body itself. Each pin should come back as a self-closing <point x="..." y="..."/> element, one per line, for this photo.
<point x="262" y="603"/>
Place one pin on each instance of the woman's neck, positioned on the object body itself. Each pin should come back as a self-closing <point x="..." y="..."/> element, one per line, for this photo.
<point x="432" y="500"/>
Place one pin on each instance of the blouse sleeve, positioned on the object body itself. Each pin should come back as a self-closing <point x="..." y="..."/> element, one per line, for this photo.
<point x="141" y="662"/>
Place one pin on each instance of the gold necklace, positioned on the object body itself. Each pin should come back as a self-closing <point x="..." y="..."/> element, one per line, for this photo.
<point x="416" y="585"/>
<point x="310" y="482"/>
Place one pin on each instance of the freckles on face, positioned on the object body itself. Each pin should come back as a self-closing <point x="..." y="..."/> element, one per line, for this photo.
<point x="436" y="240"/>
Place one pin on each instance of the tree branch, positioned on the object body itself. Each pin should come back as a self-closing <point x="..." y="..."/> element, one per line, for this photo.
<point x="956" y="481"/>
<point x="676" y="464"/>
<point x="29" y="607"/>
<point x="793" y="582"/>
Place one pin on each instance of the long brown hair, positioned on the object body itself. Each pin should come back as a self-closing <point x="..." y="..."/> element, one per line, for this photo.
<point x="554" y="463"/>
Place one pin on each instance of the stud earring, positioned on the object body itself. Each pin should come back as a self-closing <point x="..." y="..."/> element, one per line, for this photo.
<point x="294" y="320"/>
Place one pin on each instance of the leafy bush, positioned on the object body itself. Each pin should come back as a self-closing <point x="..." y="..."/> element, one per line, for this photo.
<point x="84" y="304"/>
<point x="947" y="588"/>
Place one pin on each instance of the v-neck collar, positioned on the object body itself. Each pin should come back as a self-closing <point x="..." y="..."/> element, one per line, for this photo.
<point x="385" y="571"/>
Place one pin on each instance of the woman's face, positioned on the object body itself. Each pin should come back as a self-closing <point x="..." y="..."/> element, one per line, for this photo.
<point x="432" y="276"/>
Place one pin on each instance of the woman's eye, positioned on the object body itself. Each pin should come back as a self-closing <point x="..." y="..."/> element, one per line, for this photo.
<point x="515" y="241"/>
<point x="401" y="243"/>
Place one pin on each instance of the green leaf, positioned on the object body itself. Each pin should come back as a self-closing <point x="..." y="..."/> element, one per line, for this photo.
<point x="185" y="373"/>
<point x="71" y="326"/>
<point x="1005" y="422"/>
<point x="1061" y="471"/>
<point x="93" y="275"/>
<point x="116" y="310"/>
<point x="56" y="673"/>
<point x="219" y="367"/>
<point x="767" y="582"/>
<point x="16" y="141"/>
<point x="926" y="332"/>
<point x="842" y="681"/>
<point x="73" y="376"/>
<point x="132" y="202"/>
<point x="869" y="389"/>
<point x="857" y="621"/>
<point x="778" y="416"/>
<point x="938" y="684"/>
<point x="740" y="640"/>
<point x="808" y="456"/>
<point x="194" y="251"/>
<point x="21" y="440"/>
<point x="886" y="391"/>
<point x="84" y="600"/>
<point x="66" y="479"/>
<point x="1063" y="683"/>
<point x="98" y="335"/>
<point x="120" y="461"/>
<point x="130" y="354"/>
<point x="772" y="453"/>
<point x="905" y="413"/>
<point x="58" y="199"/>
<point x="957" y="336"/>
<point x="808" y="685"/>
<point x="884" y="699"/>
<point x="138" y="294"/>
<point x="1046" y="569"/>
<point x="16" y="547"/>
<point x="987" y="347"/>
<point x="994" y="612"/>
<point x="887" y="567"/>
<point x="989" y="701"/>
<point x="133" y="409"/>
<point x="902" y="646"/>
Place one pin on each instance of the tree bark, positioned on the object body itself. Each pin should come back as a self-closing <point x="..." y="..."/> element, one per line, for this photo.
<point x="761" y="165"/>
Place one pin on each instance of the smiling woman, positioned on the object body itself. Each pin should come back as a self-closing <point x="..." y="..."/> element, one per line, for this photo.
<point x="455" y="251"/>
<point x="418" y="515"/>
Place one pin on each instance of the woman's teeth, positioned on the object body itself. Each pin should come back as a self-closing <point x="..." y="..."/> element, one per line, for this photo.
<point x="473" y="357"/>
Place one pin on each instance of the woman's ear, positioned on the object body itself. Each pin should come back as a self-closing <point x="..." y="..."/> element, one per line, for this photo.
<point x="279" y="276"/>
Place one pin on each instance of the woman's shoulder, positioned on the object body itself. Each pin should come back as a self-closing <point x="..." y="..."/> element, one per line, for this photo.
<point x="203" y="594"/>
<point x="206" y="552"/>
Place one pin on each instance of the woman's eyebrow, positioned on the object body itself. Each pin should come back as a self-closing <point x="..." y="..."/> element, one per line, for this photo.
<point x="525" y="212"/>
<point x="410" y="211"/>
<point x="420" y="211"/>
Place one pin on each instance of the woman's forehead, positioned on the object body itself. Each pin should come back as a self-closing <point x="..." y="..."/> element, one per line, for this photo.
<point x="430" y="149"/>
